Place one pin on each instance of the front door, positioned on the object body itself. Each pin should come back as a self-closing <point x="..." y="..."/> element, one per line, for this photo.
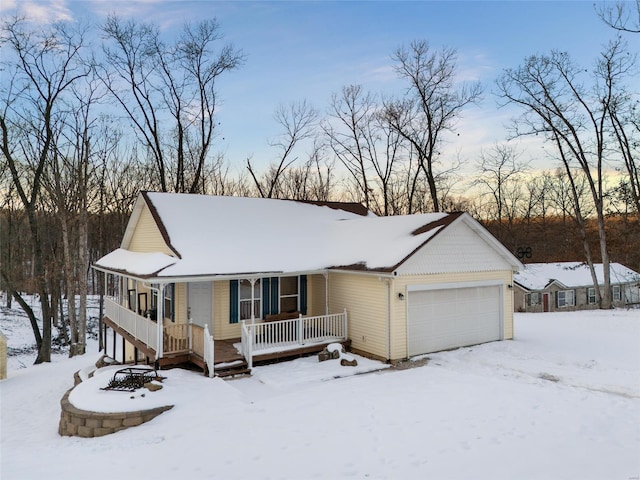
<point x="200" y="304"/>
<point x="545" y="302"/>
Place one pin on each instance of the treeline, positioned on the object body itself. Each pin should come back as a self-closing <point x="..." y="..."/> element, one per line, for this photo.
<point x="92" y="114"/>
<point x="556" y="239"/>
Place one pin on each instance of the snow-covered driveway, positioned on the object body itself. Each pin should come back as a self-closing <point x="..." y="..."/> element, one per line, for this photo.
<point x="561" y="401"/>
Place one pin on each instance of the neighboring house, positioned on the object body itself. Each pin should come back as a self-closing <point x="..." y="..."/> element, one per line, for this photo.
<point x="549" y="287"/>
<point x="277" y="277"/>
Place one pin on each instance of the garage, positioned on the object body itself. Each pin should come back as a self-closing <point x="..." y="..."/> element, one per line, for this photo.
<point x="444" y="317"/>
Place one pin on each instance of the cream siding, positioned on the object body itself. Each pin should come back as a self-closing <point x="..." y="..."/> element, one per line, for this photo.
<point x="222" y="329"/>
<point x="365" y="299"/>
<point x="398" y="337"/>
<point x="316" y="296"/>
<point x="146" y="236"/>
<point x="180" y="299"/>
<point x="456" y="249"/>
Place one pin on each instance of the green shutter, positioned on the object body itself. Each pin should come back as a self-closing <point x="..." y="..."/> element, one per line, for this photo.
<point x="303" y="294"/>
<point x="266" y="285"/>
<point x="233" y="301"/>
<point x="275" y="295"/>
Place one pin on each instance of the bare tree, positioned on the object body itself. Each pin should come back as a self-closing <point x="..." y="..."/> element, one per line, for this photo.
<point x="622" y="16"/>
<point x="363" y="141"/>
<point x="551" y="92"/>
<point x="168" y="92"/>
<point x="41" y="66"/>
<point x="298" y="121"/>
<point x="431" y="107"/>
<point x="625" y="121"/>
<point x="500" y="171"/>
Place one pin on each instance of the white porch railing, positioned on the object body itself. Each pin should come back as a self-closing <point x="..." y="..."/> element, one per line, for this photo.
<point x="282" y="335"/>
<point x="209" y="351"/>
<point x="176" y="338"/>
<point x="141" y="328"/>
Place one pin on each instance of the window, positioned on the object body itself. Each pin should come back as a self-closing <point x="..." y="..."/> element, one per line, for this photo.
<point x="616" y="293"/>
<point x="533" y="299"/>
<point x="167" y="304"/>
<point x="565" y="298"/>
<point x="288" y="294"/>
<point x="167" y="307"/>
<point x="250" y="299"/>
<point x="269" y="296"/>
<point x="591" y="295"/>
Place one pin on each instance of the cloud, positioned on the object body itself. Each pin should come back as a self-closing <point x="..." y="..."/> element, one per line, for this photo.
<point x="166" y="15"/>
<point x="38" y="11"/>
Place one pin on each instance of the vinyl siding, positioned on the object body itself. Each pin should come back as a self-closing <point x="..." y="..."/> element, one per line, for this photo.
<point x="398" y="333"/>
<point x="222" y="329"/>
<point x="456" y="249"/>
<point x="365" y="299"/>
<point x="180" y="307"/>
<point x="146" y="236"/>
<point x="316" y="299"/>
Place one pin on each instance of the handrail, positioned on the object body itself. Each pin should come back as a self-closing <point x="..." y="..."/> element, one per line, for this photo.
<point x="246" y="342"/>
<point x="281" y="335"/>
<point x="141" y="328"/>
<point x="209" y="350"/>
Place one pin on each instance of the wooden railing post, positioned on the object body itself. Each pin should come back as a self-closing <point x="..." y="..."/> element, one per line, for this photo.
<point x="344" y="325"/>
<point x="300" y="330"/>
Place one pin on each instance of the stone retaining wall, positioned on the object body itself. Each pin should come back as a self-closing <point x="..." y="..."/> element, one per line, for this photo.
<point x="82" y="423"/>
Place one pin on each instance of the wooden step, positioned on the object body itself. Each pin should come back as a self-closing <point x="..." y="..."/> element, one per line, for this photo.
<point x="233" y="373"/>
<point x="231" y="369"/>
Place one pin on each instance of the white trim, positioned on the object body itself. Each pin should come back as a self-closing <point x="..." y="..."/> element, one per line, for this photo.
<point x="453" y="286"/>
<point x="214" y="277"/>
<point x="133" y="221"/>
<point x="447" y="286"/>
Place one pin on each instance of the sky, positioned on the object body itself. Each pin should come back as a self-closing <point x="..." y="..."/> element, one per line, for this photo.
<point x="307" y="50"/>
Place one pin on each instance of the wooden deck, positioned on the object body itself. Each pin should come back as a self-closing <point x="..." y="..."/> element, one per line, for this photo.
<point x="228" y="361"/>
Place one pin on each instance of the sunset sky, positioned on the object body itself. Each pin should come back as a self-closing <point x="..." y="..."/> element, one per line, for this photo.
<point x="308" y="50"/>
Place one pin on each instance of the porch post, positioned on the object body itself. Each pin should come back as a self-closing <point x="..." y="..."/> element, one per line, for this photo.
<point x="326" y="293"/>
<point x="159" y="319"/>
<point x="137" y="299"/>
<point x="103" y="293"/>
<point x="253" y="311"/>
<point x="300" y="330"/>
<point x="345" y="332"/>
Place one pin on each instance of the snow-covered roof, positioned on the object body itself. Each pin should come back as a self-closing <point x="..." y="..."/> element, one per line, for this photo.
<point x="217" y="235"/>
<point x="537" y="276"/>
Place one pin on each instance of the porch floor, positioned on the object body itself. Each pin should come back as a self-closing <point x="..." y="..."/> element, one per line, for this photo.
<point x="224" y="352"/>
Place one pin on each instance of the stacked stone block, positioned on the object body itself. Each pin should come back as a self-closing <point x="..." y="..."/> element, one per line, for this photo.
<point x="82" y="423"/>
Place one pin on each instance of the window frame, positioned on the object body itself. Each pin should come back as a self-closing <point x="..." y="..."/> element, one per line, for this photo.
<point x="534" y="299"/>
<point x="168" y="306"/>
<point x="592" y="299"/>
<point x="255" y="300"/>
<point x="295" y="295"/>
<point x="616" y="297"/>
<point x="565" y="303"/>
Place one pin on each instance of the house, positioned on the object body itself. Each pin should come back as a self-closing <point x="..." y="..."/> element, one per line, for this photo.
<point x="548" y="287"/>
<point x="197" y="275"/>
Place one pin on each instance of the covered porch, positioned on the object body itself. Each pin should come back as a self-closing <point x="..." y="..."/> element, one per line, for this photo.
<point x="151" y="340"/>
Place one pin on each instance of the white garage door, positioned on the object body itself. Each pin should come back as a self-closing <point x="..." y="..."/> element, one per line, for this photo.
<point x="439" y="319"/>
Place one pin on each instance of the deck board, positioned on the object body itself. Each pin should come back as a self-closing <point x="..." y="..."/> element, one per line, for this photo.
<point x="224" y="351"/>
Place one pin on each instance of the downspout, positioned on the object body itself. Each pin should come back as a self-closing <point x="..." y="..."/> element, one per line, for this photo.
<point x="387" y="282"/>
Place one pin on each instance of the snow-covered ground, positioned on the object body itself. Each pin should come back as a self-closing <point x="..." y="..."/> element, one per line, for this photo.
<point x="561" y="401"/>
